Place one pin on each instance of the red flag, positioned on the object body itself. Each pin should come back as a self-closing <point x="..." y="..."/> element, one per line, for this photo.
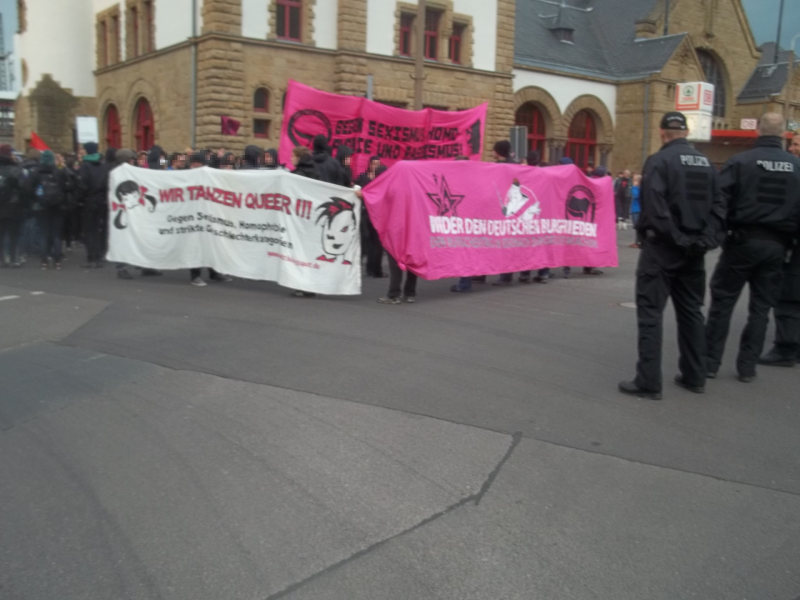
<point x="38" y="143"/>
<point x="230" y="126"/>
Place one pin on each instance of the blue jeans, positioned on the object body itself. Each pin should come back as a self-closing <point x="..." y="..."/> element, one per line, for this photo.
<point x="30" y="239"/>
<point x="51" y="226"/>
<point x="464" y="284"/>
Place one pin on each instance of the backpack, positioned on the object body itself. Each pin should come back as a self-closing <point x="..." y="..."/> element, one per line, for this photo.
<point x="49" y="192"/>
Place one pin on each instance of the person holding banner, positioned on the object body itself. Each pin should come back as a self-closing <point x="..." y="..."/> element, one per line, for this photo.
<point x="683" y="213"/>
<point x="502" y="154"/>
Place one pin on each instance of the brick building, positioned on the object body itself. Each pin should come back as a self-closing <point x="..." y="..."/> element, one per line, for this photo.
<point x="593" y="84"/>
<point x="133" y="69"/>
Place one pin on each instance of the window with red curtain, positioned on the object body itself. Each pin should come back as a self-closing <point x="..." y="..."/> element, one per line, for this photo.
<point x="582" y="141"/>
<point x="455" y="43"/>
<point x="145" y="126"/>
<point x="406" y="31"/>
<point x="432" y="34"/>
<point x="531" y="117"/>
<point x="288" y="19"/>
<point x="113" y="129"/>
<point x="261" y="100"/>
<point x="149" y="44"/>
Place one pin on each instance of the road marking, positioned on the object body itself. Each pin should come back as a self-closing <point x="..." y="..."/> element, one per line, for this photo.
<point x="2" y="298"/>
<point x="628" y="304"/>
<point x="37" y="293"/>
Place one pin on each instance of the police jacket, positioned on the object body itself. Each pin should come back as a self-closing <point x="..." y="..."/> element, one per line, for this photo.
<point x="680" y="198"/>
<point x="762" y="188"/>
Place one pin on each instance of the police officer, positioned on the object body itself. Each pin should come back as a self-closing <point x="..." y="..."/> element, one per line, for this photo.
<point x="682" y="218"/>
<point x="762" y="190"/>
<point x="786" y="351"/>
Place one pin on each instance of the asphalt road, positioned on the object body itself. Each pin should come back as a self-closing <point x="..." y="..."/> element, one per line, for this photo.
<point x="161" y="441"/>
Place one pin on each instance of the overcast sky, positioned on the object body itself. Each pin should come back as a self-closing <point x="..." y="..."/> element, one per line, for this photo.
<point x="763" y="15"/>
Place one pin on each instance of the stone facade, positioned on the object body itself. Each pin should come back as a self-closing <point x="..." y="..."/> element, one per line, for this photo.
<point x="718" y="27"/>
<point x="50" y="111"/>
<point x="125" y="84"/>
<point x="231" y="68"/>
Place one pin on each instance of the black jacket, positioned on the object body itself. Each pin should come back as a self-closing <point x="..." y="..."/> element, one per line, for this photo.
<point x="12" y="182"/>
<point x="306" y="167"/>
<point x="680" y="198"/>
<point x="623" y="189"/>
<point x="342" y="154"/>
<point x="328" y="169"/>
<point x="93" y="183"/>
<point x="762" y="188"/>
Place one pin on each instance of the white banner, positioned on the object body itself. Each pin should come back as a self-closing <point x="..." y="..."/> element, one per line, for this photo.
<point x="268" y="225"/>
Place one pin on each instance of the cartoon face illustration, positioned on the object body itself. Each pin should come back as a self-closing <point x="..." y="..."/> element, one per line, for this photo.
<point x="130" y="196"/>
<point x="517" y="203"/>
<point x="338" y="230"/>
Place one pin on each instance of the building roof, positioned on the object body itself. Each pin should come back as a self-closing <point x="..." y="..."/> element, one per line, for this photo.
<point x="603" y="43"/>
<point x="769" y="77"/>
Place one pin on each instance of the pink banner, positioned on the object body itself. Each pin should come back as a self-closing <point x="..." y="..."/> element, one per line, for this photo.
<point x="448" y="219"/>
<point x="374" y="129"/>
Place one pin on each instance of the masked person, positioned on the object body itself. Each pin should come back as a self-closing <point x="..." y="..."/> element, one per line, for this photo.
<point x="682" y="217"/>
<point x="762" y="190"/>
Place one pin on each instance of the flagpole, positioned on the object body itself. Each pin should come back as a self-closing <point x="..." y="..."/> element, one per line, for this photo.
<point x="778" y="39"/>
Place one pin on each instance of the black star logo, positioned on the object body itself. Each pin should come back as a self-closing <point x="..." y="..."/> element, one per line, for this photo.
<point x="446" y="202"/>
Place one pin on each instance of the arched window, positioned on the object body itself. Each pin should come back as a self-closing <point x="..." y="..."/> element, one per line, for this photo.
<point x="145" y="126"/>
<point x="582" y="140"/>
<point x="531" y="117"/>
<point x="715" y="76"/>
<point x="261" y="100"/>
<point x="113" y="129"/>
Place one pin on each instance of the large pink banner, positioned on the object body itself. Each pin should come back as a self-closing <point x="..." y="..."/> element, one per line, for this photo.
<point x="374" y="129"/>
<point x="447" y="219"/>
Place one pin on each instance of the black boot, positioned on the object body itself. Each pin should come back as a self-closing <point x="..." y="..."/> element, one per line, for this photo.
<point x="630" y="388"/>
<point x="773" y="358"/>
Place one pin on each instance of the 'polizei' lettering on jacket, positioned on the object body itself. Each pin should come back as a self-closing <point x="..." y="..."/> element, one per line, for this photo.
<point x="692" y="160"/>
<point x="776" y="166"/>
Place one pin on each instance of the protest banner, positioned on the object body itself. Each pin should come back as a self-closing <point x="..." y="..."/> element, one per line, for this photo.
<point x="268" y="225"/>
<point x="373" y="129"/>
<point x="446" y="219"/>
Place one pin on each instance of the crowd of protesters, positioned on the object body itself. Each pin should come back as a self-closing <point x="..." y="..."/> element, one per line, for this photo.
<point x="49" y="202"/>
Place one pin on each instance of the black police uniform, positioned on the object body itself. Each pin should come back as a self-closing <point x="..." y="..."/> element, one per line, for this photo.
<point x="681" y="219"/>
<point x="786" y="351"/>
<point x="762" y="190"/>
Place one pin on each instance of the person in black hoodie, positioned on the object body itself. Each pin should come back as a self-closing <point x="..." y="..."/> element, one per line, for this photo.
<point x="305" y="167"/>
<point x="304" y="164"/>
<point x="344" y="156"/>
<point x="51" y="190"/>
<point x="11" y="205"/>
<point x="328" y="169"/>
<point x="373" y="249"/>
<point x="253" y="158"/>
<point x="93" y="184"/>
<point x="271" y="159"/>
<point x="157" y="158"/>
